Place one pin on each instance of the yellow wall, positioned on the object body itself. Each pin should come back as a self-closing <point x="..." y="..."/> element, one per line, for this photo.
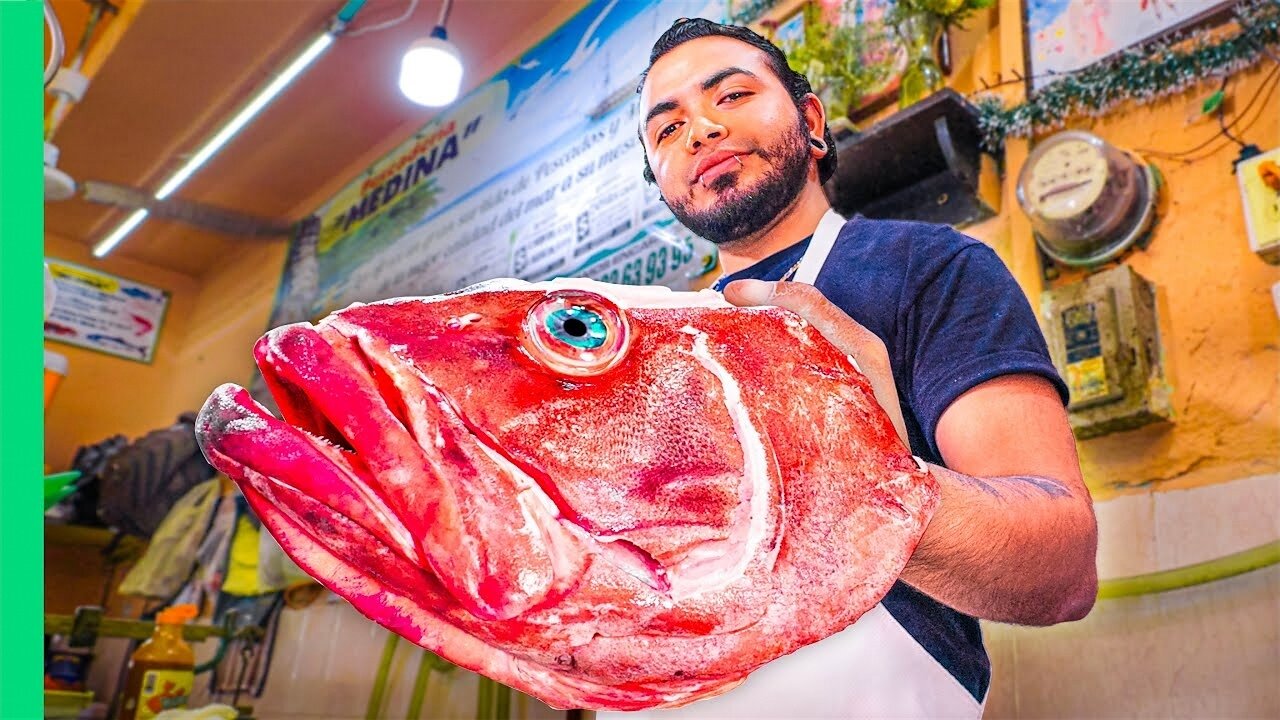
<point x="1166" y="495"/>
<point x="207" y="339"/>
<point x="232" y="310"/>
<point x="1222" y="345"/>
<point x="103" y="395"/>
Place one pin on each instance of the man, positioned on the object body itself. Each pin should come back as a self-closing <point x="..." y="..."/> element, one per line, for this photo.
<point x="738" y="146"/>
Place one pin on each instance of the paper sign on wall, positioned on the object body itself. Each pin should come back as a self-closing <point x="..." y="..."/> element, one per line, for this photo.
<point x="103" y="312"/>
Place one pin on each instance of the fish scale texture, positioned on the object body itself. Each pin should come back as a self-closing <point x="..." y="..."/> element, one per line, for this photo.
<point x="719" y="488"/>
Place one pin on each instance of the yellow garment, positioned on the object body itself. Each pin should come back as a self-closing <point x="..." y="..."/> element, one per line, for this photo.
<point x="171" y="554"/>
<point x="242" y="565"/>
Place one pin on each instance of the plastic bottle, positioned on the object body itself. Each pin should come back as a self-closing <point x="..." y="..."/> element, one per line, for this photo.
<point x="161" y="671"/>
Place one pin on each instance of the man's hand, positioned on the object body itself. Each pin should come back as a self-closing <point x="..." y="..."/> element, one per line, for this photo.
<point x="859" y="343"/>
<point x="1014" y="539"/>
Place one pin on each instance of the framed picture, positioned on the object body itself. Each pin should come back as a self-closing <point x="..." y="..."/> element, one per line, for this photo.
<point x="1062" y="36"/>
<point x="106" y="313"/>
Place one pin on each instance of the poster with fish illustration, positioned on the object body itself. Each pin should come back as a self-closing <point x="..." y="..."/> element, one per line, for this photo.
<point x="1067" y="35"/>
<point x="535" y="174"/>
<point x="104" y="312"/>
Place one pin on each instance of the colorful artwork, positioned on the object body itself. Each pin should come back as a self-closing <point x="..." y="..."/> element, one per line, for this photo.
<point x="1066" y="35"/>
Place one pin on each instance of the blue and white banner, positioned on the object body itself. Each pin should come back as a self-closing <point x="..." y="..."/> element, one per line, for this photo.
<point x="535" y="174"/>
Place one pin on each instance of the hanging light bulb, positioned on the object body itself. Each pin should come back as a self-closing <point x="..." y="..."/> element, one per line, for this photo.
<point x="431" y="71"/>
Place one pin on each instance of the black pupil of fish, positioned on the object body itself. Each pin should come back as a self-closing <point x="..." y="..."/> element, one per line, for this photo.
<point x="575" y="327"/>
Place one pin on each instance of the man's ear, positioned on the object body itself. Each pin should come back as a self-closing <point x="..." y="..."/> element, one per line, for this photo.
<point x="815" y="115"/>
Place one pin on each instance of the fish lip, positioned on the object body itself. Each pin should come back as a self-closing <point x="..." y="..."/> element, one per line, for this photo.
<point x="710" y="161"/>
<point x="231" y="412"/>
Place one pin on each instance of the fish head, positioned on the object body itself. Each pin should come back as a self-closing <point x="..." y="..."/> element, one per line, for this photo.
<point x="480" y="452"/>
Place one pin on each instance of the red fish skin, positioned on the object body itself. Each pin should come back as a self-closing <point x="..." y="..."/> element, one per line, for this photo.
<point x="725" y="494"/>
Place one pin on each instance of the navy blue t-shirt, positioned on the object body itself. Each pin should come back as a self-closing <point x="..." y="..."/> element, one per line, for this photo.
<point x="952" y="317"/>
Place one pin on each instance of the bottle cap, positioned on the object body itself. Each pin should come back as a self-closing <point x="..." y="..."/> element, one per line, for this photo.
<point x="177" y="615"/>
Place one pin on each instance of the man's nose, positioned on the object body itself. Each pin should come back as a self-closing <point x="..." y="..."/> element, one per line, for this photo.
<point x="703" y="130"/>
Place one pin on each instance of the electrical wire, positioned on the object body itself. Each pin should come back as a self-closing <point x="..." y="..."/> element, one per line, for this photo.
<point x="1274" y="81"/>
<point x="59" y="49"/>
<point x="1222" y="114"/>
<point x="1184" y="154"/>
<point x="408" y="11"/>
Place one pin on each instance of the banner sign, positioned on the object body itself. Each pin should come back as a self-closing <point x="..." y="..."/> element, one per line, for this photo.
<point x="103" y="312"/>
<point x="535" y="174"/>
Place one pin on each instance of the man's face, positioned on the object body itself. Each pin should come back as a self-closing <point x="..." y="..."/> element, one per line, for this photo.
<point x="727" y="145"/>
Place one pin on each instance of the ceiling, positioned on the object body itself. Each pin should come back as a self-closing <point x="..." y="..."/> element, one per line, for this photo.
<point x="178" y="70"/>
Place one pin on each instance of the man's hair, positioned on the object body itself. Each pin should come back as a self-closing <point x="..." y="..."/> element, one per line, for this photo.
<point x="797" y="84"/>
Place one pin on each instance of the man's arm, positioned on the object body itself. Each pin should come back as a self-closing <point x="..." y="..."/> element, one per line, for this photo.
<point x="1014" y="539"/>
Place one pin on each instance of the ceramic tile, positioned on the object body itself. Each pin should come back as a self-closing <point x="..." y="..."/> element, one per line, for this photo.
<point x="1094" y="668"/>
<point x="295" y="682"/>
<point x="1221" y="655"/>
<point x="404" y="670"/>
<point x="200" y="694"/>
<point x="106" y="672"/>
<point x="1126" y="536"/>
<point x="1207" y="522"/>
<point x="353" y="665"/>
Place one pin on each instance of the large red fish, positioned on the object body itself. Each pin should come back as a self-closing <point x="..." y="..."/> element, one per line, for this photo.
<point x="604" y="497"/>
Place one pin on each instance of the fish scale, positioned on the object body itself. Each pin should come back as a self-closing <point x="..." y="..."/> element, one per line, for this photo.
<point x="709" y="489"/>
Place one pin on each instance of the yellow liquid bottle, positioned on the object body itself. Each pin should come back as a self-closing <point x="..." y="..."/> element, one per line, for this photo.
<point x="161" y="671"/>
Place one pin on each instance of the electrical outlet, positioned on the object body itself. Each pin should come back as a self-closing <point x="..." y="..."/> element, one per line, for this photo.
<point x="1258" y="177"/>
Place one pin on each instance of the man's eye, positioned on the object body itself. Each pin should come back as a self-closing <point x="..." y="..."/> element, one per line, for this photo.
<point x="662" y="134"/>
<point x="734" y="96"/>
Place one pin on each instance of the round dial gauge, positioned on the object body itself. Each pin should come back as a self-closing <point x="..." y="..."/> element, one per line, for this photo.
<point x="1087" y="200"/>
<point x="1067" y="180"/>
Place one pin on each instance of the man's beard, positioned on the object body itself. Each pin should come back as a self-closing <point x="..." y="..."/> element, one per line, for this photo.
<point x="742" y="211"/>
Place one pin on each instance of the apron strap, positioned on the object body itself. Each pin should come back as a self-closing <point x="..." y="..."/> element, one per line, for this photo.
<point x="824" y="238"/>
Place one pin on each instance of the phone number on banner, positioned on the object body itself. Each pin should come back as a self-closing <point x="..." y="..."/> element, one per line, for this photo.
<point x="652" y="261"/>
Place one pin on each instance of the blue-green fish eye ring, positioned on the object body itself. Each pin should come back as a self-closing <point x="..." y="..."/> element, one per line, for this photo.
<point x="577" y="327"/>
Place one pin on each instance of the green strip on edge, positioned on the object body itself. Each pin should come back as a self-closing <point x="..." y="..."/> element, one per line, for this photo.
<point x="21" y="307"/>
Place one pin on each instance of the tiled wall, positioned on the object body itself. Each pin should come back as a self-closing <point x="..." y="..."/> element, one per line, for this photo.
<point x="1211" y="651"/>
<point x="326" y="657"/>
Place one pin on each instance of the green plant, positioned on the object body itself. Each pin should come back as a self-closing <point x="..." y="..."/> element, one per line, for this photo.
<point x="948" y="12"/>
<point x="844" y="63"/>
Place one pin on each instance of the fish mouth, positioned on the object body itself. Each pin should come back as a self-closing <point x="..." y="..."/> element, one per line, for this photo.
<point x="380" y="468"/>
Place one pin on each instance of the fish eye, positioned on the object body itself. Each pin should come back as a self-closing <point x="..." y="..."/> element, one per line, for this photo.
<point x="576" y="333"/>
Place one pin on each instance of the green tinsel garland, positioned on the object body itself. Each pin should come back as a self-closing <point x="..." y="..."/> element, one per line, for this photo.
<point x="1141" y="74"/>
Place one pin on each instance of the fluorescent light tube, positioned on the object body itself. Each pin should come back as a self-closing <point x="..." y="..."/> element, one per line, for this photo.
<point x="237" y="123"/>
<point x="108" y="243"/>
<point x="244" y="116"/>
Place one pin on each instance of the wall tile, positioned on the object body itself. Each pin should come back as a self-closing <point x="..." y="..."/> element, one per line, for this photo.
<point x="1126" y="535"/>
<point x="1220" y="655"/>
<point x="1093" y="668"/>
<point x="1208" y="522"/>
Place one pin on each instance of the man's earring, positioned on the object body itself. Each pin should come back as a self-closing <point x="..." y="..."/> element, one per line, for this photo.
<point x="818" y="144"/>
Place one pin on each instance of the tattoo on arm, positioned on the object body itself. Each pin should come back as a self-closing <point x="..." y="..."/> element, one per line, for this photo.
<point x="1024" y="485"/>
